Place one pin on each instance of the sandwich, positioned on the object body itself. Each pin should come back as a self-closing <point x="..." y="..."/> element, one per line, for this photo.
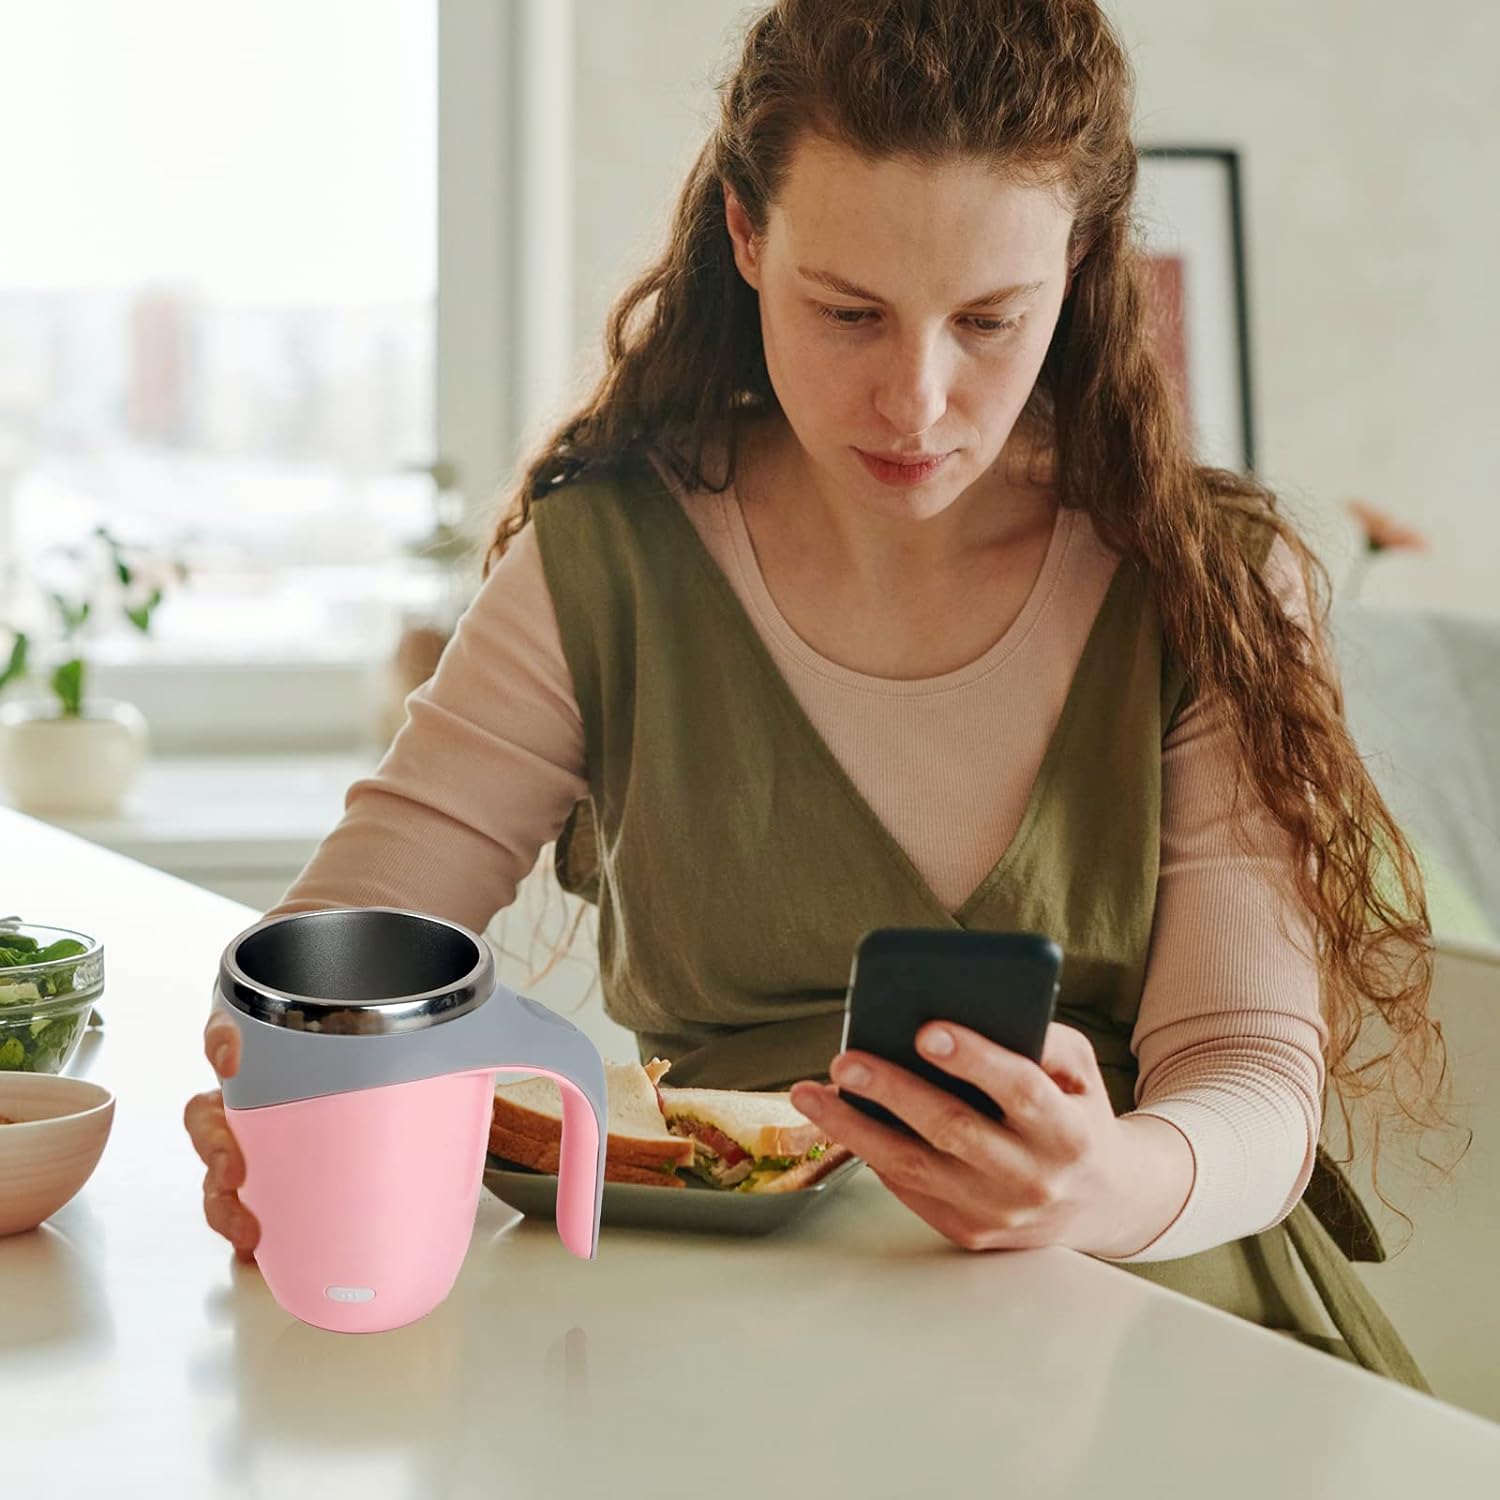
<point x="526" y="1127"/>
<point x="753" y="1142"/>
<point x="662" y="1137"/>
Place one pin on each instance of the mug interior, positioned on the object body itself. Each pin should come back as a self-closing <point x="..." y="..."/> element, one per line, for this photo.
<point x="357" y="955"/>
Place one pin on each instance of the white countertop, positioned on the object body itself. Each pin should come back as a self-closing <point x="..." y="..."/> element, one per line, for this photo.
<point x="854" y="1353"/>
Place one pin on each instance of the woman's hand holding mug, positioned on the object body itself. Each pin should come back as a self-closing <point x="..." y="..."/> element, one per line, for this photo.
<point x="216" y="1145"/>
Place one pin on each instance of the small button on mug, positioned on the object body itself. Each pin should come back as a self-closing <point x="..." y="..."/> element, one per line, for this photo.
<point x="349" y="1293"/>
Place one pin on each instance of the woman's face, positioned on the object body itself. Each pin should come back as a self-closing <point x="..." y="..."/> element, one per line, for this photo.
<point x="913" y="363"/>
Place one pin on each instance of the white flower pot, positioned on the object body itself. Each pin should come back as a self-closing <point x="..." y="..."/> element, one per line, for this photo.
<point x="81" y="766"/>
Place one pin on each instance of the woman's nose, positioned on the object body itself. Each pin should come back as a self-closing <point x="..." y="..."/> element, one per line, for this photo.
<point x="912" y="392"/>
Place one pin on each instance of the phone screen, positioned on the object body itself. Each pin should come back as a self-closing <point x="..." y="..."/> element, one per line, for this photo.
<point x="1001" y="984"/>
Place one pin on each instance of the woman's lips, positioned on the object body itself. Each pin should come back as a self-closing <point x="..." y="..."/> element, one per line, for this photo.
<point x="901" y="474"/>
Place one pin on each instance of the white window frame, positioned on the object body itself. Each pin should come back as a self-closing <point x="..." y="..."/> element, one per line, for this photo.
<point x="505" y="232"/>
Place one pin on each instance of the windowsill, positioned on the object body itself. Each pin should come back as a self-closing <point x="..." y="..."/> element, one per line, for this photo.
<point x="196" y="813"/>
<point x="225" y="708"/>
<point x="301" y="666"/>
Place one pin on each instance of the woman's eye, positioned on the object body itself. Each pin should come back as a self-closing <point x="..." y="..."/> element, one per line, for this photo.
<point x="995" y="325"/>
<point x="852" y="317"/>
<point x="844" y="317"/>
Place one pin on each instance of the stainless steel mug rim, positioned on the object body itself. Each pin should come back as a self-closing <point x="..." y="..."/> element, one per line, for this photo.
<point x="392" y="1014"/>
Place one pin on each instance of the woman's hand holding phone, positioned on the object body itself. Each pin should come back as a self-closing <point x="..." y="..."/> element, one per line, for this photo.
<point x="1062" y="1169"/>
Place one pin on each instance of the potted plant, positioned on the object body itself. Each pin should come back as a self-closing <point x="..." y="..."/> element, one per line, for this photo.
<point x="1380" y="532"/>
<point x="72" y="753"/>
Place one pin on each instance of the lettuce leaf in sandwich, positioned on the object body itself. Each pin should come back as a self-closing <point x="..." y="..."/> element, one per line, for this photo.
<point x="749" y="1142"/>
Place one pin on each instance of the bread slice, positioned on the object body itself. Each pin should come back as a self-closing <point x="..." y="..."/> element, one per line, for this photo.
<point x="542" y="1156"/>
<point x="526" y="1126"/>
<point x="761" y="1124"/>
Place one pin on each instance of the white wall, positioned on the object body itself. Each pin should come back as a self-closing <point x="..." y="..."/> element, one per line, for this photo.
<point x="1370" y="134"/>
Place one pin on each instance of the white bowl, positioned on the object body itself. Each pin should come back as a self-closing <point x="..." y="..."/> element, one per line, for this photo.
<point x="51" y="1153"/>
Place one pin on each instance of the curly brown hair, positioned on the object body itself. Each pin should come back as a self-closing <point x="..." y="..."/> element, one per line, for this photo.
<point x="1041" y="90"/>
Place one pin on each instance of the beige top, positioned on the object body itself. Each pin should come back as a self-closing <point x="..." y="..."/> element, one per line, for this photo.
<point x="1229" y="1035"/>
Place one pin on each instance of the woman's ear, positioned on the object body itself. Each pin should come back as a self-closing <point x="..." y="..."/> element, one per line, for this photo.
<point x="1078" y="252"/>
<point x="1074" y="265"/>
<point x="741" y="236"/>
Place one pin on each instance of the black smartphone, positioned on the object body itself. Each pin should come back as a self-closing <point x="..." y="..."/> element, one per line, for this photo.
<point x="1001" y="984"/>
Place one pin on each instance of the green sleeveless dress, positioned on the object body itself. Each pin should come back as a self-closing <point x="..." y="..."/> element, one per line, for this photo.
<point x="735" y="865"/>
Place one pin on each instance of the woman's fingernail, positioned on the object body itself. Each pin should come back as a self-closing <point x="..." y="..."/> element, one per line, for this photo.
<point x="219" y="1163"/>
<point x="938" y="1042"/>
<point x="852" y="1073"/>
<point x="221" y="1060"/>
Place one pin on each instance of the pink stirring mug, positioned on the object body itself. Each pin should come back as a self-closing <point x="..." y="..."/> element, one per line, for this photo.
<point x="370" y="1038"/>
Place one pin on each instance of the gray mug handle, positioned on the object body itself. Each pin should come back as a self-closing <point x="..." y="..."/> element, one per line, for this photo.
<point x="529" y="1038"/>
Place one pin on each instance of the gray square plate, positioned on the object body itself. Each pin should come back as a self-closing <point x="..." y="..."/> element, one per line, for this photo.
<point x="696" y="1206"/>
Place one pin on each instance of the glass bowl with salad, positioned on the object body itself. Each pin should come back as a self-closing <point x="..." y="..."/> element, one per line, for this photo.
<point x="49" y="980"/>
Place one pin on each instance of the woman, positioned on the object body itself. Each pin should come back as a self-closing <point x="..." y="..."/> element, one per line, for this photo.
<point x="875" y="585"/>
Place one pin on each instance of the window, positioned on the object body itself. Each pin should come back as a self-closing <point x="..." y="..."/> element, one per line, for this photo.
<point x="218" y="309"/>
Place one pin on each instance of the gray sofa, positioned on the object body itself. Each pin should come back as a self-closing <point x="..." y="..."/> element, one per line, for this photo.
<point x="1422" y="698"/>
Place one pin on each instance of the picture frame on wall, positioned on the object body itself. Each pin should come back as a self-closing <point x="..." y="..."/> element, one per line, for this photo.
<point x="1189" y="221"/>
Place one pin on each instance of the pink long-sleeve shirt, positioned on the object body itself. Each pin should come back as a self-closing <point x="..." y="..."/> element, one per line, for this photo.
<point x="1229" y="1035"/>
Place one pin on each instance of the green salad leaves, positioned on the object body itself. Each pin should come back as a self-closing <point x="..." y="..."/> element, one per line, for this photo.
<point x="32" y="1043"/>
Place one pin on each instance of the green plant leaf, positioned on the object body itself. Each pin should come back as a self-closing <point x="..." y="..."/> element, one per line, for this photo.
<point x="16" y="667"/>
<point x="140" y="617"/>
<point x="67" y="683"/>
<point x="122" y="568"/>
<point x="72" y="615"/>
